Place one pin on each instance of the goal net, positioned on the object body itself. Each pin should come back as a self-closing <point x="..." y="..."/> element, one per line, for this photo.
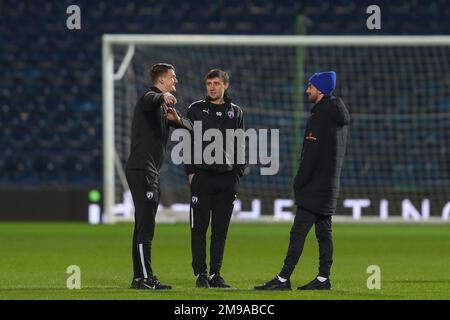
<point x="396" y="88"/>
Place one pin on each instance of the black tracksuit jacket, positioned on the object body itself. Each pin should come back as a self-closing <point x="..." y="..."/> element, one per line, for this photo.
<point x="317" y="184"/>
<point x="231" y="119"/>
<point x="150" y="132"/>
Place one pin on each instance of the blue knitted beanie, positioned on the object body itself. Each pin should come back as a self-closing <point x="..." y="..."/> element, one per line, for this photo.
<point x="325" y="82"/>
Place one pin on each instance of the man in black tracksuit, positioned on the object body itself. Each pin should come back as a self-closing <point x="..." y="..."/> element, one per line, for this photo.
<point x="150" y="131"/>
<point x="213" y="186"/>
<point x="316" y="184"/>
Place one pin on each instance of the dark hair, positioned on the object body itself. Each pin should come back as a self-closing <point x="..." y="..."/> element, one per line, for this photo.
<point x="158" y="70"/>
<point x="217" y="73"/>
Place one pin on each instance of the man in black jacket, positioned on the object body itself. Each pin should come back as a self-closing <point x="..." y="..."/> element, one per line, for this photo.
<point x="316" y="184"/>
<point x="150" y="131"/>
<point x="213" y="185"/>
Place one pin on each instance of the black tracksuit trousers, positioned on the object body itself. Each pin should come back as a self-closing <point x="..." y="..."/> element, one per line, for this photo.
<point x="144" y="187"/>
<point x="303" y="222"/>
<point x="212" y="197"/>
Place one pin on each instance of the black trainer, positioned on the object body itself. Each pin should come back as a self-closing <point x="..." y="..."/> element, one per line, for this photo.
<point x="218" y="282"/>
<point x="275" y="284"/>
<point x="202" y="281"/>
<point x="153" y="283"/>
<point x="135" y="284"/>
<point x="317" y="285"/>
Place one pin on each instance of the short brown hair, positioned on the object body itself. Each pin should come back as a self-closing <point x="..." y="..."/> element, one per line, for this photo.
<point x="157" y="70"/>
<point x="217" y="73"/>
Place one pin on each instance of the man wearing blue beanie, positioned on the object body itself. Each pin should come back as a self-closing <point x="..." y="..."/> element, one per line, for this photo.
<point x="316" y="184"/>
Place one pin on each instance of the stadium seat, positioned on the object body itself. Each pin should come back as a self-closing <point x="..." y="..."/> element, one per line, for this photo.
<point x="260" y="7"/>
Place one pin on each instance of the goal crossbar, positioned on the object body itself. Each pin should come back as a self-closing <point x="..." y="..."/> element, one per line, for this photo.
<point x="307" y="41"/>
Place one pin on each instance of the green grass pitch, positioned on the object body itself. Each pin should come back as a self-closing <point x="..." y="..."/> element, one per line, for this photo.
<point x="414" y="261"/>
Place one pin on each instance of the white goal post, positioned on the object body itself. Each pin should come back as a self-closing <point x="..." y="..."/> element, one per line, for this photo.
<point x="112" y="72"/>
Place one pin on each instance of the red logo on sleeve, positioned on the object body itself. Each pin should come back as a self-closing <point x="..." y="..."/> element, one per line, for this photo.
<point x="311" y="137"/>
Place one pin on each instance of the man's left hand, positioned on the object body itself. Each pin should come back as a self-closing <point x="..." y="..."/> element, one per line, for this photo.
<point x="172" y="115"/>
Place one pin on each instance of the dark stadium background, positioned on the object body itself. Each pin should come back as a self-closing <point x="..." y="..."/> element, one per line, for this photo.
<point x="51" y="85"/>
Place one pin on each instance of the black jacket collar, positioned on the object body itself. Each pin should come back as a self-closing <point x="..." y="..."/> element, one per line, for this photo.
<point x="226" y="98"/>
<point x="155" y="89"/>
<point x="321" y="104"/>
